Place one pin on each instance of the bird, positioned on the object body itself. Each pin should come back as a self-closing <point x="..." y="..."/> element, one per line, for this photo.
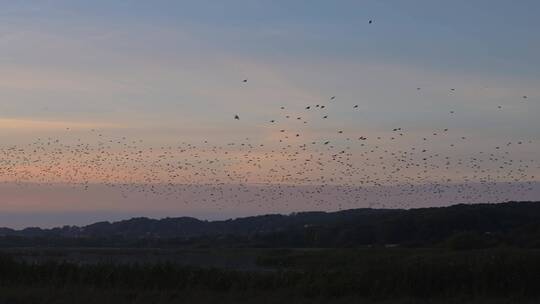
<point x="285" y="167"/>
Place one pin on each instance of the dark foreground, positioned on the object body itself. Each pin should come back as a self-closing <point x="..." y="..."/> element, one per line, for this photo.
<point x="370" y="275"/>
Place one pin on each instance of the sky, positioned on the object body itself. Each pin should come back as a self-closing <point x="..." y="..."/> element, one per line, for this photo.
<point x="161" y="73"/>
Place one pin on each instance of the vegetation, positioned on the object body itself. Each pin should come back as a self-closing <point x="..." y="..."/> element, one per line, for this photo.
<point x="458" y="254"/>
<point x="331" y="275"/>
<point x="458" y="227"/>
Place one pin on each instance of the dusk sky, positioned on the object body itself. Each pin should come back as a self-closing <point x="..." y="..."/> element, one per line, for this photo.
<point x="119" y="77"/>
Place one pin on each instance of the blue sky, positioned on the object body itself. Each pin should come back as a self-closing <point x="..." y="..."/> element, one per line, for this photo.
<point x="461" y="34"/>
<point x="169" y="70"/>
<point x="218" y="41"/>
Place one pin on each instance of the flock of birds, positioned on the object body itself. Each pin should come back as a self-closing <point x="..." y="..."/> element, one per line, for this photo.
<point x="336" y="171"/>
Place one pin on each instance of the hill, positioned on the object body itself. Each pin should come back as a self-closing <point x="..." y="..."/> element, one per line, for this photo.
<point x="458" y="226"/>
